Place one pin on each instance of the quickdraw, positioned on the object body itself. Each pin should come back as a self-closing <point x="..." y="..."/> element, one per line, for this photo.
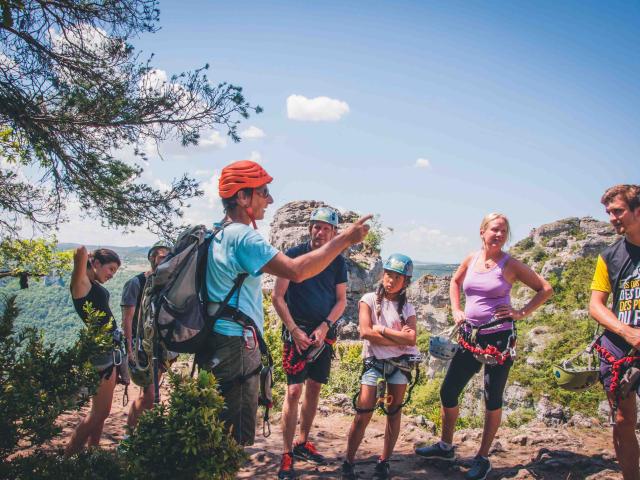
<point x="405" y="364"/>
<point x="490" y="355"/>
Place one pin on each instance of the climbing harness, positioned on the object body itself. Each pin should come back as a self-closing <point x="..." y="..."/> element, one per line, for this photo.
<point x="489" y="355"/>
<point x="625" y="376"/>
<point x="387" y="368"/>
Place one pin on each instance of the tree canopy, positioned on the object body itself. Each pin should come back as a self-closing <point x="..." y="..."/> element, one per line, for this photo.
<point x="73" y="93"/>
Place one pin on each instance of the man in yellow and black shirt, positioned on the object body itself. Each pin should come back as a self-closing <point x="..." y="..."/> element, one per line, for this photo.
<point x="618" y="273"/>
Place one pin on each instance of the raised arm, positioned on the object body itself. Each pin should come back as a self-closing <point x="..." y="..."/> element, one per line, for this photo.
<point x="310" y="264"/>
<point x="80" y="284"/>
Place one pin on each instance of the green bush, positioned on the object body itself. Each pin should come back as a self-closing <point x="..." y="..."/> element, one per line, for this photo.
<point x="346" y="369"/>
<point x="91" y="464"/>
<point x="38" y="382"/>
<point x="185" y="439"/>
<point x="520" y="416"/>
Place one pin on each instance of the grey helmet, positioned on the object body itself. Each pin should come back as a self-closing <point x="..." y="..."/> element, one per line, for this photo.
<point x="444" y="347"/>
<point x="326" y="215"/>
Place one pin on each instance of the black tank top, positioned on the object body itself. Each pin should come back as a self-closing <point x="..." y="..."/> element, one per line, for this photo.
<point x="99" y="298"/>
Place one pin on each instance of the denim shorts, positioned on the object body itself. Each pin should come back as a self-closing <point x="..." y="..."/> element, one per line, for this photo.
<point x="371" y="376"/>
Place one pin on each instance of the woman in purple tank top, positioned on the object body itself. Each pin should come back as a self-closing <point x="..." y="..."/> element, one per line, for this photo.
<point x="487" y="325"/>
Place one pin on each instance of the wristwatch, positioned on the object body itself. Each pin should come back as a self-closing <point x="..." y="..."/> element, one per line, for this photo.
<point x="328" y="322"/>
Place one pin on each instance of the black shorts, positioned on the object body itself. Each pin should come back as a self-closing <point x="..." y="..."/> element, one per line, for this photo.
<point x="317" y="371"/>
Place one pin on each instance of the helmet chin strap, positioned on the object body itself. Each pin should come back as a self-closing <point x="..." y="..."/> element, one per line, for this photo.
<point x="249" y="211"/>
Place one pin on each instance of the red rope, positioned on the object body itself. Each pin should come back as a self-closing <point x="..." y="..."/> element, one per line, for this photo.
<point x="288" y="364"/>
<point x="490" y="350"/>
<point x="616" y="365"/>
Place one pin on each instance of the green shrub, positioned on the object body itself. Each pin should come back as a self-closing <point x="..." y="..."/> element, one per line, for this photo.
<point x="374" y="239"/>
<point x="346" y="369"/>
<point x="185" y="439"/>
<point x="520" y="416"/>
<point x="38" y="382"/>
<point x="91" y="464"/>
<point x="538" y="254"/>
<point x="422" y="339"/>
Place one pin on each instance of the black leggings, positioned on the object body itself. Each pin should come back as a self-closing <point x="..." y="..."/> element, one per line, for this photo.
<point x="464" y="366"/>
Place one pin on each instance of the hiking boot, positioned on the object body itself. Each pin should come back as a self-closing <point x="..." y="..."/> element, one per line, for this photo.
<point x="308" y="451"/>
<point x="436" y="452"/>
<point x="480" y="467"/>
<point x="286" y="467"/>
<point x="348" y="471"/>
<point x="381" y="472"/>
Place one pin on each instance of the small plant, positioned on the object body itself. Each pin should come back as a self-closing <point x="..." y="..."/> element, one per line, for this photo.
<point x="374" y="239"/>
<point x="520" y="416"/>
<point x="185" y="439"/>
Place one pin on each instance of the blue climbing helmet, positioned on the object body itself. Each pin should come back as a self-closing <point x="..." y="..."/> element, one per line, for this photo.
<point x="326" y="215"/>
<point x="399" y="263"/>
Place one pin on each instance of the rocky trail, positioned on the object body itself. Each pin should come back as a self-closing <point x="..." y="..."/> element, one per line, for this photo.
<point x="533" y="451"/>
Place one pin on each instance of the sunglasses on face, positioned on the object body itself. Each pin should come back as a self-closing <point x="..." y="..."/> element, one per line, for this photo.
<point x="262" y="191"/>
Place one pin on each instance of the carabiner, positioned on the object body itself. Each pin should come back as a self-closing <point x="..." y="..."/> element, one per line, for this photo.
<point x="117" y="353"/>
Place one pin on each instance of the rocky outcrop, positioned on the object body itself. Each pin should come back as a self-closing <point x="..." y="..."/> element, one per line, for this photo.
<point x="550" y="247"/>
<point x="290" y="227"/>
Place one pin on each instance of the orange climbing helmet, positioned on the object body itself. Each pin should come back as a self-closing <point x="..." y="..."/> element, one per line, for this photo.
<point x="239" y="175"/>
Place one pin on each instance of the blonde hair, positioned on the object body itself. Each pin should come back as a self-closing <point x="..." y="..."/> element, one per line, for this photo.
<point x="490" y="217"/>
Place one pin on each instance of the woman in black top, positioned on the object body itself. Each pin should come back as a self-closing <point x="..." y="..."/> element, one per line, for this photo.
<point x="90" y="271"/>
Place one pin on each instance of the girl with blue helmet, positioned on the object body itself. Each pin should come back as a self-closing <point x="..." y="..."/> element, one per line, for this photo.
<point x="388" y="328"/>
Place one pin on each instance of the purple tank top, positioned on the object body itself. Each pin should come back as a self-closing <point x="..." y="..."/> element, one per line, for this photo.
<point x="484" y="291"/>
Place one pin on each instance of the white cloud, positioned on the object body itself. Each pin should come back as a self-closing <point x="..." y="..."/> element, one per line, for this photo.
<point x="318" y="109"/>
<point x="252" y="133"/>
<point x="215" y="140"/>
<point x="203" y="173"/>
<point x="423" y="163"/>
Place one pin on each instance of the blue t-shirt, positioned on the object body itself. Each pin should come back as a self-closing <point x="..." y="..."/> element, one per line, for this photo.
<point x="311" y="300"/>
<point x="238" y="249"/>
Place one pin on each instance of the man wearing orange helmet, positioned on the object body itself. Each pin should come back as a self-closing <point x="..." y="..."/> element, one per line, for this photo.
<point x="239" y="249"/>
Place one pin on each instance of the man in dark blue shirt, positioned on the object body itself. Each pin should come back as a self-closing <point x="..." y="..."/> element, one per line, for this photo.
<point x="308" y="311"/>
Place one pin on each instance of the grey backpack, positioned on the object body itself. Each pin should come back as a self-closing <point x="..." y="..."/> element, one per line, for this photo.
<point x="174" y="304"/>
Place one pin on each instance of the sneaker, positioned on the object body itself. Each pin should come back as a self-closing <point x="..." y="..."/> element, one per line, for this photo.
<point x="286" y="467"/>
<point x="348" y="471"/>
<point x="480" y="467"/>
<point x="436" y="452"/>
<point x="308" y="451"/>
<point x="382" y="470"/>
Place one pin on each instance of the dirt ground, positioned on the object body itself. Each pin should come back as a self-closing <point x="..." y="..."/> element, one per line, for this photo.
<point x="533" y="451"/>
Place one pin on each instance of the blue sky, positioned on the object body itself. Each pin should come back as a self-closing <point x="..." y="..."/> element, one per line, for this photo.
<point x="436" y="113"/>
